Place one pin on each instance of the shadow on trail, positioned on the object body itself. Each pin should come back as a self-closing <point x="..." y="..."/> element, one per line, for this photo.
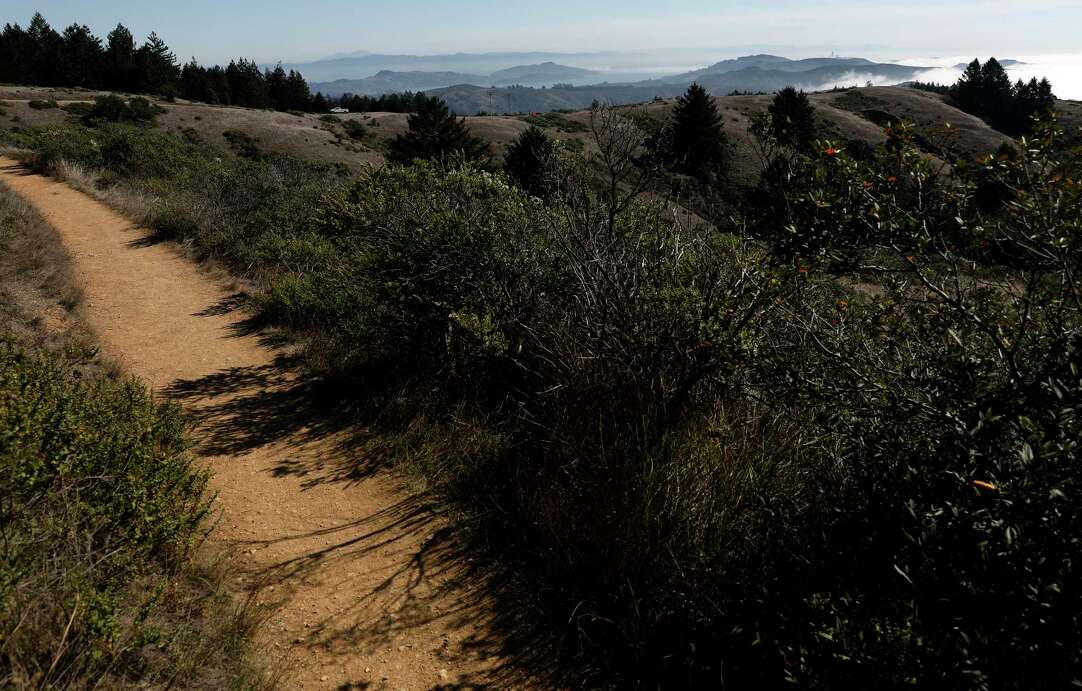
<point x="444" y="581"/>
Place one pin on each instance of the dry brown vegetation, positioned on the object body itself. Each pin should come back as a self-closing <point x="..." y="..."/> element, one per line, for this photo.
<point x="844" y="116"/>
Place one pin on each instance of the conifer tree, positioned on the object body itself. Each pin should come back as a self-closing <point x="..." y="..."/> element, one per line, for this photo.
<point x="82" y="57"/>
<point x="247" y="84"/>
<point x="15" y="51"/>
<point x="792" y="118"/>
<point x="435" y="133"/>
<point x="157" y="66"/>
<point x="530" y="160"/>
<point x="45" y="60"/>
<point x="120" y="60"/>
<point x="699" y="145"/>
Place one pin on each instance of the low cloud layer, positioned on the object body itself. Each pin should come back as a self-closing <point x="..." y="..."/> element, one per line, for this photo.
<point x="1063" y="70"/>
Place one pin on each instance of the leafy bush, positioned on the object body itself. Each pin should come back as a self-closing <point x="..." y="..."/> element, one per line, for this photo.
<point x="101" y="507"/>
<point x="355" y="129"/>
<point x="556" y="121"/>
<point x="832" y="447"/>
<point x="44" y="105"/>
<point x="79" y="109"/>
<point x="113" y="109"/>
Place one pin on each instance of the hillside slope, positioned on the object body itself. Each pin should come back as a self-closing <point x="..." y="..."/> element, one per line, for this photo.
<point x="851" y="115"/>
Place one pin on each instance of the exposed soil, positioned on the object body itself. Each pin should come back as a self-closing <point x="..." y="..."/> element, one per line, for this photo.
<point x="364" y="584"/>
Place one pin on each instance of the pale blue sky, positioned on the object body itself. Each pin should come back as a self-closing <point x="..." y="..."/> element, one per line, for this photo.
<point x="292" y="30"/>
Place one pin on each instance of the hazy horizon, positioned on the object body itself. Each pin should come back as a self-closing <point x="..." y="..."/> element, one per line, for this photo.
<point x="274" y="30"/>
<point x="651" y="41"/>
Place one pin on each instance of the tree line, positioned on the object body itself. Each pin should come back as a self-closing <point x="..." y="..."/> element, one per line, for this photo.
<point x="986" y="91"/>
<point x="39" y="55"/>
<point x="405" y="102"/>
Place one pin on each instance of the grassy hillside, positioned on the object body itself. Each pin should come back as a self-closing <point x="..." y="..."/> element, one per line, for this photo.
<point x="851" y="115"/>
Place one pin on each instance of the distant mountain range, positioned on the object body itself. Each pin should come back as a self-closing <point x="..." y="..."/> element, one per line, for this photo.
<point x="530" y="87"/>
<point x="388" y="81"/>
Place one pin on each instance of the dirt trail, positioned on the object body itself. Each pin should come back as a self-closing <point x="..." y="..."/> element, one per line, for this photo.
<point x="366" y="587"/>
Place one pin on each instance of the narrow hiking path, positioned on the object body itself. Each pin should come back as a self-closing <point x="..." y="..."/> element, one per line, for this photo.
<point x="365" y="588"/>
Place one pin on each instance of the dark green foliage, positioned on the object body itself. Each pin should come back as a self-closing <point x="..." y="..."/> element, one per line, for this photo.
<point x="435" y="133"/>
<point x="111" y="108"/>
<point x="98" y="497"/>
<point x="986" y="90"/>
<point x="838" y="453"/>
<point x="792" y="118"/>
<point x="43" y="105"/>
<point x="699" y="146"/>
<point x="82" y="57"/>
<point x="934" y="88"/>
<point x="287" y="91"/>
<point x="557" y="121"/>
<point x="408" y="102"/>
<point x="247" y="86"/>
<point x="120" y="72"/>
<point x="77" y="58"/>
<point x="531" y="161"/>
<point x="355" y="129"/>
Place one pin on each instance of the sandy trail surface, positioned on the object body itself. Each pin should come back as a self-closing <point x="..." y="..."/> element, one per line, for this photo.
<point x="364" y="585"/>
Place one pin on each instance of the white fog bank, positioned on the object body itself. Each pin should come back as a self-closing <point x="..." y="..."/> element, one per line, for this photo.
<point x="1063" y="70"/>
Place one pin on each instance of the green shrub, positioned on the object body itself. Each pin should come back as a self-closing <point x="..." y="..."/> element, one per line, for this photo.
<point x="556" y="121"/>
<point x="114" y="109"/>
<point x="44" y="105"/>
<point x="79" y="109"/>
<point x="101" y="507"/>
<point x="355" y="129"/>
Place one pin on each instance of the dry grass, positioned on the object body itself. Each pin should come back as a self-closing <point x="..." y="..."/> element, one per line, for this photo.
<point x="39" y="300"/>
<point x="308" y="138"/>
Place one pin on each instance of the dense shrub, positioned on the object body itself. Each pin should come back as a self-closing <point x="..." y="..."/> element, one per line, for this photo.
<point x="832" y="447"/>
<point x="101" y="505"/>
<point x="44" y="105"/>
<point x="355" y="129"/>
<point x="113" y="109"/>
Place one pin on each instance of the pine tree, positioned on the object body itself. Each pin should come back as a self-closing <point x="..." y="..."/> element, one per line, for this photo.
<point x="46" y="59"/>
<point x="699" y="146"/>
<point x="120" y="60"/>
<point x="435" y="133"/>
<point x="247" y="84"/>
<point x="83" y="58"/>
<point x="276" y="87"/>
<point x="157" y="66"/>
<point x="966" y="94"/>
<point x="996" y="96"/>
<point x="792" y="118"/>
<point x="15" y="51"/>
<point x="298" y="96"/>
<point x="530" y="160"/>
<point x="320" y="105"/>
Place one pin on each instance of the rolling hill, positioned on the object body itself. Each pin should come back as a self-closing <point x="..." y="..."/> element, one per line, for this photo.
<point x="854" y="115"/>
